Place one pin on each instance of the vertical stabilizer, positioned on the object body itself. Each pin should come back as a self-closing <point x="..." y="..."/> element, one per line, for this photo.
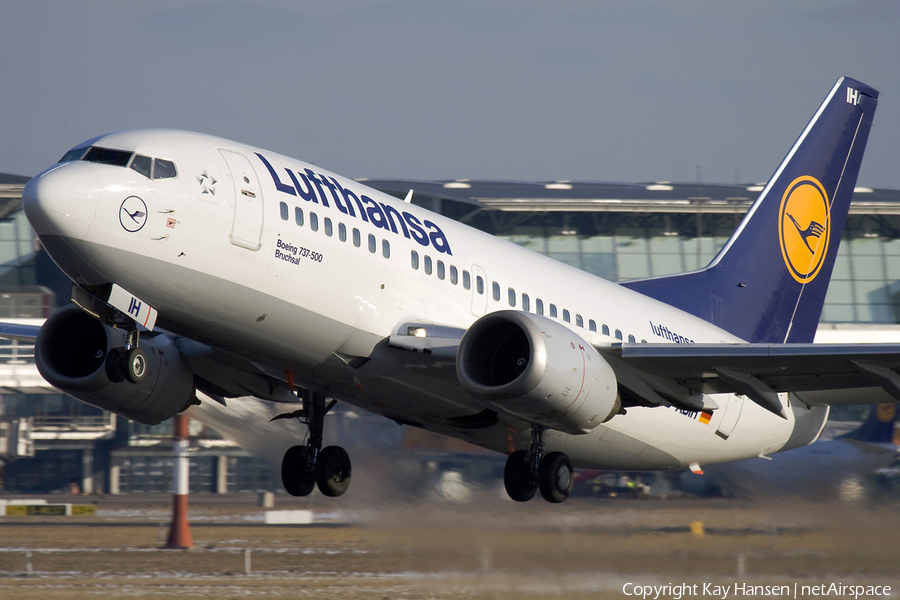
<point x="878" y="427"/>
<point x="768" y="282"/>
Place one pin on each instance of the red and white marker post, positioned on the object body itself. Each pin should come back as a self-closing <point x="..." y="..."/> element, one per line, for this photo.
<point x="180" y="532"/>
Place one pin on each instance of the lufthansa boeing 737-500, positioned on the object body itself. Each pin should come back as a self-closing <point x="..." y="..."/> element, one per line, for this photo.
<point x="207" y="269"/>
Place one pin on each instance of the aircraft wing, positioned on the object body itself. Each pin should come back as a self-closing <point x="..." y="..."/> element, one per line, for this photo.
<point x="819" y="374"/>
<point x="19" y="332"/>
<point x="684" y="375"/>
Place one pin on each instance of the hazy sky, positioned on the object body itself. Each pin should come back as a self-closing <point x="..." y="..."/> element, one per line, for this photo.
<point x="628" y="91"/>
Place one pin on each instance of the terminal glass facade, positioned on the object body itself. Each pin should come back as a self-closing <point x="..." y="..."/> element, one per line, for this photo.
<point x="865" y="286"/>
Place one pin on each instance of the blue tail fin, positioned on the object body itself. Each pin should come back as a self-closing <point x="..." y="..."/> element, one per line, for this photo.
<point x="768" y="282"/>
<point x="878" y="427"/>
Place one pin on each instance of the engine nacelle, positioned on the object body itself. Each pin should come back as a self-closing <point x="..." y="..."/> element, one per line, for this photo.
<point x="536" y="369"/>
<point x="71" y="353"/>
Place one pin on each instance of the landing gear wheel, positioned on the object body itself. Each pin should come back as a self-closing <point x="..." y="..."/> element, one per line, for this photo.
<point x="135" y="365"/>
<point x="115" y="365"/>
<point x="333" y="471"/>
<point x="515" y="478"/>
<point x="555" y="477"/>
<point x="296" y="475"/>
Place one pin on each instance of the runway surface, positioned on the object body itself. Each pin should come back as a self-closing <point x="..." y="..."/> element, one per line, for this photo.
<point x="487" y="548"/>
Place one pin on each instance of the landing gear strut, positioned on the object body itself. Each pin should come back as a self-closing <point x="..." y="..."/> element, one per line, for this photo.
<point x="305" y="467"/>
<point x="529" y="470"/>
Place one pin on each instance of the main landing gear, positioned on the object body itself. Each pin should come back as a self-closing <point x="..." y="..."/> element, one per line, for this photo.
<point x="306" y="467"/>
<point x="529" y="470"/>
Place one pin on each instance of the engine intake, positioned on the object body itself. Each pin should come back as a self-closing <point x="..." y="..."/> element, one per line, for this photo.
<point x="536" y="369"/>
<point x="72" y="353"/>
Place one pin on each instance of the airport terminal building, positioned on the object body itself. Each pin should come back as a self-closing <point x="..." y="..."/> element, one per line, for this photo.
<point x="51" y="442"/>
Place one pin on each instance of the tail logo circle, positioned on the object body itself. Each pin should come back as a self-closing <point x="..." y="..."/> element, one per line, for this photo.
<point x="804" y="228"/>
<point x="886" y="412"/>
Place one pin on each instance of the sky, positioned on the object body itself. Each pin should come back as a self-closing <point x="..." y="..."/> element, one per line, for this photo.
<point x="612" y="91"/>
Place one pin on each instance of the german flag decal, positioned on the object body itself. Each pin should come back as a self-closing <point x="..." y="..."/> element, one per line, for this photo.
<point x="705" y="416"/>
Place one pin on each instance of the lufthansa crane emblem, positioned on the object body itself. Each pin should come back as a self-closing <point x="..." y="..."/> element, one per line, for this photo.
<point x="133" y="214"/>
<point x="804" y="227"/>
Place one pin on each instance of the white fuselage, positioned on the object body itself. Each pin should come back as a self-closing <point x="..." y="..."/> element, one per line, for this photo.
<point x="218" y="260"/>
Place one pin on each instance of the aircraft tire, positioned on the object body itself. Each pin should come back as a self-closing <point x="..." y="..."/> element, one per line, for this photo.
<point x="556" y="477"/>
<point x="115" y="365"/>
<point x="135" y="365"/>
<point x="295" y="476"/>
<point x="515" y="478"/>
<point x="333" y="471"/>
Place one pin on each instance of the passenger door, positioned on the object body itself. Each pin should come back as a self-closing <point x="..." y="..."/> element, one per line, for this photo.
<point x="246" y="231"/>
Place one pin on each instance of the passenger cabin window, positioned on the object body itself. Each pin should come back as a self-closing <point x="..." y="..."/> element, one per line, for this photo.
<point x="566" y="316"/>
<point x="479" y="284"/>
<point x="553" y="310"/>
<point x="342" y="232"/>
<point x="357" y="239"/>
<point x="283" y="207"/>
<point x="440" y="269"/>
<point x="592" y="325"/>
<point x="511" y="295"/>
<point x="142" y="164"/>
<point x="385" y="248"/>
<point x="328" y="227"/>
<point x="467" y="280"/>
<point x="454" y="275"/>
<point x="372" y="244"/>
<point x="414" y="260"/>
<point x="313" y="221"/>
<point x="606" y="330"/>
<point x="427" y="265"/>
<point x="526" y="302"/>
<point x="539" y="306"/>
<point x="579" y="321"/>
<point x="618" y="334"/>
<point x="495" y="289"/>
<point x="298" y="216"/>
<point x="631" y="339"/>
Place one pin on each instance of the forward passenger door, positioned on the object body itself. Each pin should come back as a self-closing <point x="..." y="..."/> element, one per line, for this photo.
<point x="246" y="231"/>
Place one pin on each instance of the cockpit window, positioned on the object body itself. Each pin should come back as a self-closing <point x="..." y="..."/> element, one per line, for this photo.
<point x="75" y="154"/>
<point x="163" y="169"/>
<point x="151" y="168"/>
<point x="142" y="164"/>
<point x="107" y="156"/>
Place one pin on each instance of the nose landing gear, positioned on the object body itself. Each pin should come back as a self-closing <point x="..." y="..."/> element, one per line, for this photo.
<point x="306" y="467"/>
<point x="529" y="470"/>
<point x="129" y="362"/>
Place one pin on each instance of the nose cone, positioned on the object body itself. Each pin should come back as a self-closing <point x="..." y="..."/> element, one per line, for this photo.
<point x="62" y="200"/>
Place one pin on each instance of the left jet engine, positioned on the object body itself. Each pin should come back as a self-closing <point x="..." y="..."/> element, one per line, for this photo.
<point x="536" y="369"/>
<point x="77" y="354"/>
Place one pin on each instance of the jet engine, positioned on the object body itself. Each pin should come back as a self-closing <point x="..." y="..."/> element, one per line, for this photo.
<point x="81" y="356"/>
<point x="536" y="369"/>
